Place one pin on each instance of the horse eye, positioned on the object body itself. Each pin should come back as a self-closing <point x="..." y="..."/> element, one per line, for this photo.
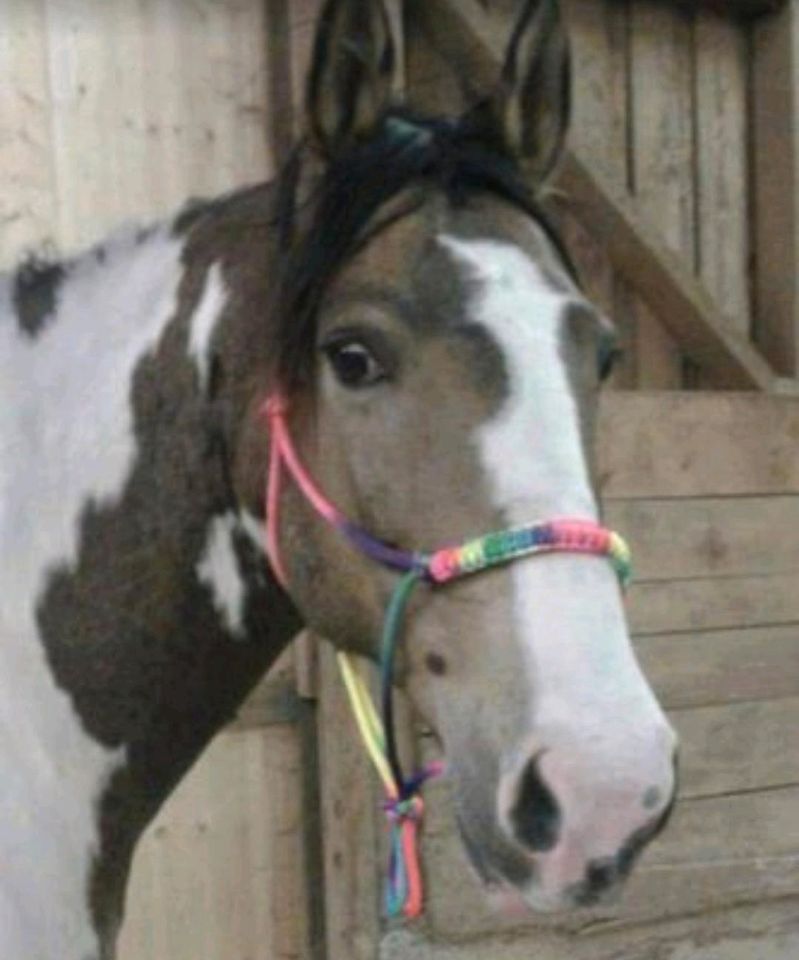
<point x="354" y="365"/>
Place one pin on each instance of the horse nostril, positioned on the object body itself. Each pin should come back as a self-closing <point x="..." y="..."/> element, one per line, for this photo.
<point x="600" y="876"/>
<point x="536" y="815"/>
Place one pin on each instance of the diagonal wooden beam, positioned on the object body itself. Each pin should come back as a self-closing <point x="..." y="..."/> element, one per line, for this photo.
<point x="681" y="302"/>
<point x="463" y="31"/>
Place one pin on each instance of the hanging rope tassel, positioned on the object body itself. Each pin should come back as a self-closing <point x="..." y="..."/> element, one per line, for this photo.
<point x="404" y="895"/>
<point x="403" y="805"/>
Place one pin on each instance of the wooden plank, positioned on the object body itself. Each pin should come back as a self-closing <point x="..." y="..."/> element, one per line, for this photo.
<point x="714" y="603"/>
<point x="350" y="800"/>
<point x="719" y="852"/>
<point x="682" y="304"/>
<point x="678" y="539"/>
<point x="624" y="316"/>
<point x="736" y="8"/>
<point x="281" y="83"/>
<point x="83" y="120"/>
<point x="276" y="699"/>
<point x="306" y="664"/>
<point x="27" y="201"/>
<point x="705" y="444"/>
<point x="597" y="31"/>
<point x="738" y="748"/>
<point x="762" y="931"/>
<point x="721" y="103"/>
<point x="775" y="68"/>
<point x="219" y="874"/>
<point x="661" y="148"/>
<point x="600" y="117"/>
<point x="662" y="138"/>
<point x="720" y="667"/>
<point x="193" y="122"/>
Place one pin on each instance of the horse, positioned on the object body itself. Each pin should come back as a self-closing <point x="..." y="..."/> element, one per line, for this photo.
<point x="402" y="290"/>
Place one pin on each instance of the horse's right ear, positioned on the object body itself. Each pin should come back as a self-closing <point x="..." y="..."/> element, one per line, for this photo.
<point x="352" y="72"/>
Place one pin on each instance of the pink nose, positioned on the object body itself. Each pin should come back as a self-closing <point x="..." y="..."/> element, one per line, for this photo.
<point x="583" y="819"/>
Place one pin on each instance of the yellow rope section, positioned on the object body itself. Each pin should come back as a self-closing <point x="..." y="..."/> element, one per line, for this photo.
<point x="369" y="724"/>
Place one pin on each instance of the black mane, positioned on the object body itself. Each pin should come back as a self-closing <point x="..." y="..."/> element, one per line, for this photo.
<point x="456" y="157"/>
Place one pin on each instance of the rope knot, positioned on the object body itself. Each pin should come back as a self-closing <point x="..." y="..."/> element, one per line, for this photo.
<point x="399" y="811"/>
<point x="275" y="405"/>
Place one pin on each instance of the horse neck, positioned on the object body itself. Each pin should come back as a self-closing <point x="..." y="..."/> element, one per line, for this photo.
<point x="138" y="611"/>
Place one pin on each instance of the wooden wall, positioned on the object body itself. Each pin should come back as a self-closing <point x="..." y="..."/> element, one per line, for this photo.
<point x="662" y="113"/>
<point x="221" y="873"/>
<point x="115" y="109"/>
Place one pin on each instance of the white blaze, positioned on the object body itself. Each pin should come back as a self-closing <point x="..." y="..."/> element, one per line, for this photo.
<point x="66" y="441"/>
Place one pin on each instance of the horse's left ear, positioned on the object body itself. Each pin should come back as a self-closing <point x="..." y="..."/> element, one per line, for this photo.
<point x="352" y="72"/>
<point x="532" y="107"/>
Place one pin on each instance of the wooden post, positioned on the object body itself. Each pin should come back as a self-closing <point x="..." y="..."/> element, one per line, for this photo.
<point x="775" y="75"/>
<point x="735" y="8"/>
<point x="281" y="114"/>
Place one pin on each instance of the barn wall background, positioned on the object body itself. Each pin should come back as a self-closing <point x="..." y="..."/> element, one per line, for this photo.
<point x="118" y="109"/>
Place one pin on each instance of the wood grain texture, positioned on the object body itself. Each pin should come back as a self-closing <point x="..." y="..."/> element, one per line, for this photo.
<point x="721" y="75"/>
<point x="738" y="747"/>
<point x="662" y="163"/>
<point x="679" y="301"/>
<point x="735" y="8"/>
<point x="705" y="444"/>
<point x="765" y="932"/>
<point x="776" y="179"/>
<point x="94" y="139"/>
<point x="702" y="537"/>
<point x="219" y="873"/>
<point x="350" y="803"/>
<point x="722" y="666"/>
<point x="28" y="201"/>
<point x="692" y="605"/>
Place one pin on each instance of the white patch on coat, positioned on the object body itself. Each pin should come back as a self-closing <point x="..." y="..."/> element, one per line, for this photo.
<point x="219" y="570"/>
<point x="590" y="707"/>
<point x="204" y="320"/>
<point x="66" y="441"/>
<point x="255" y="530"/>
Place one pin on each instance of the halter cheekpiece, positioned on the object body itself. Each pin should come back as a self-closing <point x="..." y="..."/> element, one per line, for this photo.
<point x="403" y="806"/>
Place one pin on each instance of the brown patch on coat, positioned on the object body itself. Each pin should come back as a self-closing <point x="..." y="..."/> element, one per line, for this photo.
<point x="130" y="632"/>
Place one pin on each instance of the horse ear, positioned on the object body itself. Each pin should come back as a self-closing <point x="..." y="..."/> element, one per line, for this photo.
<point x="352" y="72"/>
<point x="532" y="106"/>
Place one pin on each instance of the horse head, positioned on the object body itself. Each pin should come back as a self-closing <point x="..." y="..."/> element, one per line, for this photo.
<point x="440" y="366"/>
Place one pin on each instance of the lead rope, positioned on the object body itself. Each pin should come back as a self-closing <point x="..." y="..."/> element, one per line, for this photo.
<point x="403" y="806"/>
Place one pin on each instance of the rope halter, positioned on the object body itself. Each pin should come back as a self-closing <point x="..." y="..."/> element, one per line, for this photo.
<point x="403" y="806"/>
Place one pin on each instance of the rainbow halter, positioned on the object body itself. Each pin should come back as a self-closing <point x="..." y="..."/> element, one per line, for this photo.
<point x="403" y="805"/>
